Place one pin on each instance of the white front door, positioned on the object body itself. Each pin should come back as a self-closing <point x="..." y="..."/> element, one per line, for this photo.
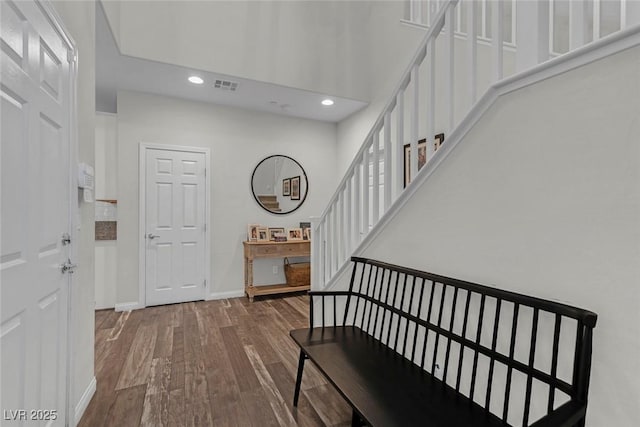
<point x="175" y="226"/>
<point x="37" y="66"/>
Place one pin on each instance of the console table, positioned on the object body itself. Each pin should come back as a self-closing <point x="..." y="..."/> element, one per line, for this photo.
<point x="257" y="250"/>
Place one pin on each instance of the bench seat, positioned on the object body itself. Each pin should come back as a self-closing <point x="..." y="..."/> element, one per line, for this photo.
<point x="383" y="385"/>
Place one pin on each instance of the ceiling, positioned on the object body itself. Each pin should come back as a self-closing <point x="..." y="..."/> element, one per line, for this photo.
<point x="121" y="72"/>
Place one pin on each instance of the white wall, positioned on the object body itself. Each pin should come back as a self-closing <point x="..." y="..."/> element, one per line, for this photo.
<point x="106" y="188"/>
<point x="391" y="45"/>
<point x="79" y="19"/>
<point x="312" y="45"/>
<point x="542" y="197"/>
<point x="238" y="140"/>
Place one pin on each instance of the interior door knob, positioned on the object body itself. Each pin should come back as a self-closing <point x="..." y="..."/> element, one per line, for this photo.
<point x="152" y="236"/>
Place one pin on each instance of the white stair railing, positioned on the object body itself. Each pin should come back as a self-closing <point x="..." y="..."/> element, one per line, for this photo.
<point x="431" y="98"/>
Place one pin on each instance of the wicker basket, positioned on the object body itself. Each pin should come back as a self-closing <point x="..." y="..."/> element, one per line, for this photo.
<point x="297" y="274"/>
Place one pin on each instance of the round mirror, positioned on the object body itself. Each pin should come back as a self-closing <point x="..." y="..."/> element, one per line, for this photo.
<point x="279" y="184"/>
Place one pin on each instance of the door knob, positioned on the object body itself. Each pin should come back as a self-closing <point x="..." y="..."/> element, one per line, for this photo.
<point x="68" y="267"/>
<point x="152" y="236"/>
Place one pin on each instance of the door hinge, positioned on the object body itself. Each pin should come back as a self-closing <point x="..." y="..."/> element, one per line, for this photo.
<point x="66" y="239"/>
<point x="204" y="283"/>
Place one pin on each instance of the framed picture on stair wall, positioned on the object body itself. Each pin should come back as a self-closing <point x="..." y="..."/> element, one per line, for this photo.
<point x="422" y="155"/>
<point x="295" y="188"/>
<point x="286" y="187"/>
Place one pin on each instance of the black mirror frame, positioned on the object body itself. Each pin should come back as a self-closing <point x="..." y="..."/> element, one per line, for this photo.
<point x="303" y="173"/>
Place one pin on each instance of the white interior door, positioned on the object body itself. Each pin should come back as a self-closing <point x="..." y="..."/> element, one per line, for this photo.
<point x="36" y="184"/>
<point x="175" y="226"/>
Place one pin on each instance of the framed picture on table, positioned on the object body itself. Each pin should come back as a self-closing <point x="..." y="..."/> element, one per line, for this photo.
<point x="263" y="234"/>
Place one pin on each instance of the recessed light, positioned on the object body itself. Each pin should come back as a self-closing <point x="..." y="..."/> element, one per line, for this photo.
<point x="327" y="102"/>
<point x="196" y="80"/>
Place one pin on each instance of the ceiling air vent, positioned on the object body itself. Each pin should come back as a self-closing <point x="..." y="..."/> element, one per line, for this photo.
<point x="226" y="85"/>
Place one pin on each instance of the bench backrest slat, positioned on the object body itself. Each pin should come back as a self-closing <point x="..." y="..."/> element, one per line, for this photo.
<point x="501" y="349"/>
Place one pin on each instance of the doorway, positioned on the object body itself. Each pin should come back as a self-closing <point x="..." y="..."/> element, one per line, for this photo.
<point x="174" y="214"/>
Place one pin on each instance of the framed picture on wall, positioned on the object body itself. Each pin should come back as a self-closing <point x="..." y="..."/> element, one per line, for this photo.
<point x="422" y="155"/>
<point x="286" y="187"/>
<point x="295" y="188"/>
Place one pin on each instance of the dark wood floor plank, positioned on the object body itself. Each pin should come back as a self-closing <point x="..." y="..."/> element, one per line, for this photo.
<point x="211" y="363"/>
<point x="100" y="317"/>
<point x="242" y="368"/>
<point x="164" y="341"/>
<point x="121" y="320"/>
<point x="107" y="376"/>
<point x="277" y="403"/>
<point x="292" y="316"/>
<point x="301" y="305"/>
<point x="333" y="411"/>
<point x="156" y="400"/>
<point x="305" y="415"/>
<point x="224" y="394"/>
<point x="110" y="320"/>
<point x="138" y="363"/>
<point x="177" y="360"/>
<point x="177" y="416"/>
<point x="196" y="393"/>
<point x="126" y="410"/>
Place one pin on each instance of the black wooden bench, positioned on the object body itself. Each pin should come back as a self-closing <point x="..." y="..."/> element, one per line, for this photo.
<point x="409" y="348"/>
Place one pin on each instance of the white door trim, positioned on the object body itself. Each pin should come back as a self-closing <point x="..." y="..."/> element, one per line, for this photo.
<point x="74" y="209"/>
<point x="142" y="167"/>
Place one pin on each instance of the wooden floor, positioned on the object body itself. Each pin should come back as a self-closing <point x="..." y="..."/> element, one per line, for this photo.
<point x="213" y="363"/>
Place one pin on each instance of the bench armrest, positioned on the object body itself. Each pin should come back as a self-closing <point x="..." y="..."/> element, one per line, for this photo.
<point x="323" y="295"/>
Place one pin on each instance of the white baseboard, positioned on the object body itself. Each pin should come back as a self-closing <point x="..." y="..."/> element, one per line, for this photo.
<point x="84" y="400"/>
<point x="224" y="295"/>
<point x="128" y="306"/>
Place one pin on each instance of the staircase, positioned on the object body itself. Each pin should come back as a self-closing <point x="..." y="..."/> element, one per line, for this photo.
<point x="524" y="42"/>
<point x="270" y="202"/>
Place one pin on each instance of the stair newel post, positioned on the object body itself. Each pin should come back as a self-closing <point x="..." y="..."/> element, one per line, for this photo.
<point x="316" y="254"/>
<point x="532" y="33"/>
<point x="375" y="178"/>
<point x="415" y="114"/>
<point x="356" y="205"/>
<point x="365" y="192"/>
<point x="388" y="179"/>
<point x="348" y="242"/>
<point x="399" y="181"/>
<point x="450" y="64"/>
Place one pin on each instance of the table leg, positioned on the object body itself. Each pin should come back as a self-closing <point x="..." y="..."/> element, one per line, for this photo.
<point x="250" y="279"/>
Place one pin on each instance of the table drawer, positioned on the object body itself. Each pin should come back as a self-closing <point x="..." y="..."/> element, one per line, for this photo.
<point x="266" y="250"/>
